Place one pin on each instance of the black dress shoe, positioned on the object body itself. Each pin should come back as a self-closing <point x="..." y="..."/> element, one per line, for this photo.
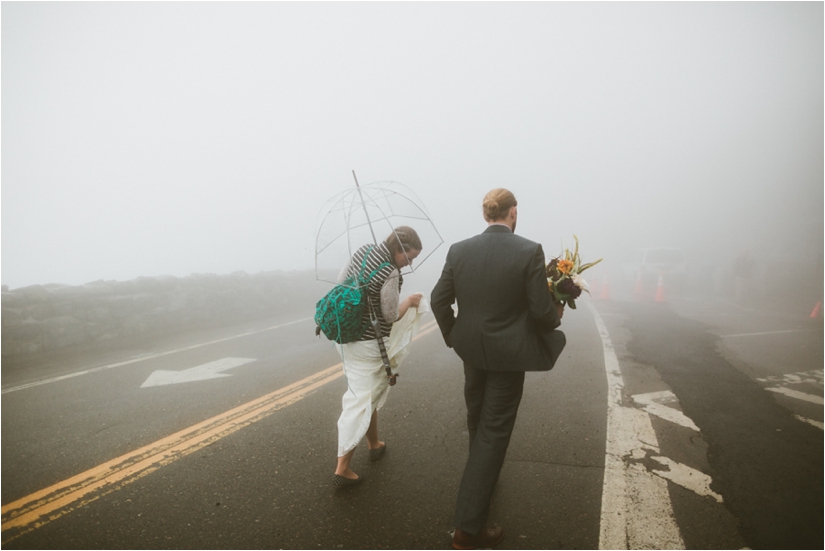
<point x="485" y="539"/>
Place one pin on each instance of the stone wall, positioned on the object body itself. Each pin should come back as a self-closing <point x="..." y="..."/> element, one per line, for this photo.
<point x="47" y="317"/>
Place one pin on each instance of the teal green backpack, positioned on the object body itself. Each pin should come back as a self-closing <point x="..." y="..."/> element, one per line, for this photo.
<point x="340" y="313"/>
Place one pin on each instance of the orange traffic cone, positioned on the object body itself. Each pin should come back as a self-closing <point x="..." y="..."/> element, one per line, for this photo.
<point x="605" y="290"/>
<point x="660" y="289"/>
<point x="639" y="291"/>
<point x="815" y="313"/>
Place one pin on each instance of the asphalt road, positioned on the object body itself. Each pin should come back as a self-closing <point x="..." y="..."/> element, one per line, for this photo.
<point x="687" y="424"/>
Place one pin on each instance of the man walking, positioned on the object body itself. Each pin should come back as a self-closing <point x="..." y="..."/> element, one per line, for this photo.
<point x="504" y="327"/>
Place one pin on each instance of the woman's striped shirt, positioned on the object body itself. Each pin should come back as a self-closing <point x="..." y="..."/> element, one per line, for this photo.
<point x="378" y="255"/>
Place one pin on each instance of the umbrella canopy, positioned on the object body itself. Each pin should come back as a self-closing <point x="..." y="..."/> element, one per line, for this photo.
<point x="368" y="214"/>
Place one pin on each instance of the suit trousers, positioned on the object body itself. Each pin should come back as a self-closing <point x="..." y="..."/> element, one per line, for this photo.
<point x="492" y="398"/>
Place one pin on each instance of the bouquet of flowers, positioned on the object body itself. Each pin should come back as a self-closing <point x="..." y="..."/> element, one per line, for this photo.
<point x="564" y="276"/>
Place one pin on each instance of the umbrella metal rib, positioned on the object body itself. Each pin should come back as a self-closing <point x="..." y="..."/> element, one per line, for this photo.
<point x="348" y="213"/>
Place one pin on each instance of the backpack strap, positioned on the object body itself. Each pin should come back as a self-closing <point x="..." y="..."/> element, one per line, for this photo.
<point x="360" y="275"/>
<point x="380" y="267"/>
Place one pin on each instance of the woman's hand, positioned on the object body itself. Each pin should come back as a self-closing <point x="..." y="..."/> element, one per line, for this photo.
<point x="411" y="301"/>
<point x="560" y="309"/>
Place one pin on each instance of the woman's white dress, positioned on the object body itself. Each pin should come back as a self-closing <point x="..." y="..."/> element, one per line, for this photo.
<point x="367" y="381"/>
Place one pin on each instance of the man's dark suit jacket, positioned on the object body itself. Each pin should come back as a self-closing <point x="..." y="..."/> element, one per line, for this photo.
<point x="506" y="317"/>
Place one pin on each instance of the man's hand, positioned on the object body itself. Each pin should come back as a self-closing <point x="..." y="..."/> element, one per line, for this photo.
<point x="560" y="309"/>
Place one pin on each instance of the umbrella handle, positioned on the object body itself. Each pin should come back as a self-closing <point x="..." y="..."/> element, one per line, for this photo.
<point x="376" y="326"/>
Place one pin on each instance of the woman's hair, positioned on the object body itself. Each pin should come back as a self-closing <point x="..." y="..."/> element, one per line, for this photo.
<point x="497" y="203"/>
<point x="402" y="239"/>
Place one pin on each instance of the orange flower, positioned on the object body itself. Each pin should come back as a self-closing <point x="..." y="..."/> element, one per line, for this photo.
<point x="565" y="266"/>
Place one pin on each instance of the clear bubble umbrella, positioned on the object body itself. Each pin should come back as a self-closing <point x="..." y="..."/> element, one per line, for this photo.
<point x="368" y="214"/>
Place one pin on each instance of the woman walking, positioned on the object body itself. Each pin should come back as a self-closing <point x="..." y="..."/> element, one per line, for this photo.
<point x="367" y="380"/>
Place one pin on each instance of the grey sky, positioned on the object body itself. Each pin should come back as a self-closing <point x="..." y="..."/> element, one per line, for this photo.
<point x="177" y="138"/>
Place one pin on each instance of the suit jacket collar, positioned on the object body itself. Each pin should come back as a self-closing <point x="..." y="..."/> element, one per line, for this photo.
<point x="498" y="228"/>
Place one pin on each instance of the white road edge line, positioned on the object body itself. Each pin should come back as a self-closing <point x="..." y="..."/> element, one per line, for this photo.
<point x="146" y="357"/>
<point x="636" y="509"/>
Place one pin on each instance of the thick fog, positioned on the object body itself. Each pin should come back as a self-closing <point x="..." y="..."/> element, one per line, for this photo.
<point x="145" y="139"/>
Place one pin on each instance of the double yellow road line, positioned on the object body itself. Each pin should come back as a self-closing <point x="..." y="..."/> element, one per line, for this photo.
<point x="35" y="510"/>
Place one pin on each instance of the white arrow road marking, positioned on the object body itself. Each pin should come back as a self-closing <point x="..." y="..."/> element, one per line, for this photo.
<point x="798" y="395"/>
<point x="653" y="403"/>
<point x="143" y="357"/>
<point x="211" y="370"/>
<point x="636" y="508"/>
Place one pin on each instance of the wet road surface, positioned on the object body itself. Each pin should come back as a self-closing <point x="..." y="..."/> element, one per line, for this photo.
<point x="687" y="424"/>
